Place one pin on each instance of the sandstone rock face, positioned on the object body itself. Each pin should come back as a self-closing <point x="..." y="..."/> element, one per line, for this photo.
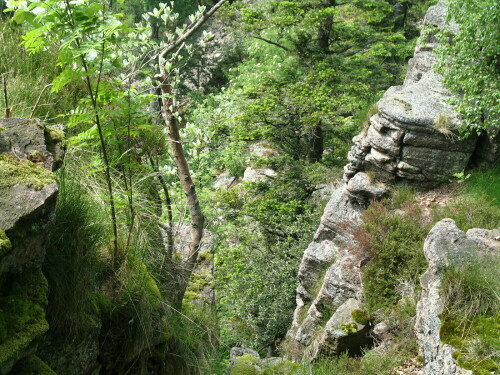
<point x="330" y="285"/>
<point x="413" y="137"/>
<point x="445" y="245"/>
<point x="29" y="151"/>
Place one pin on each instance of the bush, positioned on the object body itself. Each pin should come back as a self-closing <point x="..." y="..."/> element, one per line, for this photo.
<point x="395" y="243"/>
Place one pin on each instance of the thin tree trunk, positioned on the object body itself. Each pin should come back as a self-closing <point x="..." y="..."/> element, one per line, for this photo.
<point x="168" y="108"/>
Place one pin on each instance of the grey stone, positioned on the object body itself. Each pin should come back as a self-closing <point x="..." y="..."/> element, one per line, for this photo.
<point x="444" y="245"/>
<point x="361" y="189"/>
<point x="32" y="140"/>
<point x="259" y="174"/>
<point x="413" y="137"/>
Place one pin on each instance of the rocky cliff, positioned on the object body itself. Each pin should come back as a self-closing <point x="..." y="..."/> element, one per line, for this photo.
<point x="413" y="137"/>
<point x="412" y="140"/>
<point x="29" y="152"/>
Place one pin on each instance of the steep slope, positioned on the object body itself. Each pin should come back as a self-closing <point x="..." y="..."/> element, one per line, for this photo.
<point x="411" y="141"/>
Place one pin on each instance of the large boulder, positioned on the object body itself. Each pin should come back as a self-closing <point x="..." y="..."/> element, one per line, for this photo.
<point x="29" y="152"/>
<point x="414" y="136"/>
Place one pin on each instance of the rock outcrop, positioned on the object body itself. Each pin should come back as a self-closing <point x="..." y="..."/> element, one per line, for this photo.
<point x="445" y="245"/>
<point x="413" y="137"/>
<point x="411" y="140"/>
<point x="29" y="152"/>
<point x="330" y="287"/>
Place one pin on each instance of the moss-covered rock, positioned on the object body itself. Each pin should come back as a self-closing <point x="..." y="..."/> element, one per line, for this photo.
<point x="245" y="365"/>
<point x="22" y="314"/>
<point x="32" y="365"/>
<point x="23" y="172"/>
<point x="283" y="367"/>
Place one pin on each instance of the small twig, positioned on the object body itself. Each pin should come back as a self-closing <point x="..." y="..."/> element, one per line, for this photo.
<point x="38" y="100"/>
<point x="8" y="110"/>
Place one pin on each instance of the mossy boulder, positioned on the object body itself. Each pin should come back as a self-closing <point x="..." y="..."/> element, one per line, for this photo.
<point x="14" y="171"/>
<point x="246" y="365"/>
<point x="22" y="315"/>
<point x="5" y="244"/>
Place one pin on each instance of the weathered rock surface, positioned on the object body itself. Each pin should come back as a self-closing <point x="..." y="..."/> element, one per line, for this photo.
<point x="445" y="245"/>
<point x="200" y="290"/>
<point x="413" y="137"/>
<point x="29" y="151"/>
<point x="329" y="285"/>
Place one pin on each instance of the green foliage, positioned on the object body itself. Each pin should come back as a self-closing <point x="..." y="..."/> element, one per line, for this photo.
<point x="22" y="312"/>
<point x="32" y="365"/>
<point x="470" y="63"/>
<point x="361" y="316"/>
<point x="14" y="171"/>
<point x="27" y="77"/>
<point x="471" y="318"/>
<point x="259" y="247"/>
<point x="372" y="363"/>
<point x="395" y="243"/>
<point x="74" y="265"/>
<point x="5" y="244"/>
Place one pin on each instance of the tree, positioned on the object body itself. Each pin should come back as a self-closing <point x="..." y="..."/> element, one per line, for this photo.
<point x="97" y="47"/>
<point x="471" y="63"/>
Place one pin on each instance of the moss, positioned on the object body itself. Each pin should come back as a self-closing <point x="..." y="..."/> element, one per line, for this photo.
<point x="349" y="329"/>
<point x="245" y="365"/>
<point x="5" y="244"/>
<point x="32" y="365"/>
<point x="361" y="316"/>
<point x="14" y="171"/>
<point x="53" y="134"/>
<point x="476" y="342"/>
<point x="284" y="367"/>
<point x="22" y="312"/>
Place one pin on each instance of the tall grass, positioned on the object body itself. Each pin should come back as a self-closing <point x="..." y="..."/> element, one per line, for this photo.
<point x="28" y="77"/>
<point x="74" y="263"/>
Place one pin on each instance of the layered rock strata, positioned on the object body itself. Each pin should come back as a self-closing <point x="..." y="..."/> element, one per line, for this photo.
<point x="413" y="137"/>
<point x="445" y="245"/>
<point x="411" y="140"/>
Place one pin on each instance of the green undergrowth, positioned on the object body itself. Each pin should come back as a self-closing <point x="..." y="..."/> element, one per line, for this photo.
<point x="27" y="77"/>
<point x="74" y="263"/>
<point x="395" y="230"/>
<point x="394" y="241"/>
<point x="22" y="312"/>
<point x="5" y="244"/>
<point x="32" y="365"/>
<point x="471" y="318"/>
<point x="23" y="172"/>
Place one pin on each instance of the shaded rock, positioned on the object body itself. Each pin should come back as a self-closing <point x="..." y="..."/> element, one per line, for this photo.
<point x="200" y="290"/>
<point x="445" y="244"/>
<point x="362" y="190"/>
<point x="225" y="181"/>
<point x="32" y="140"/>
<point x="329" y="275"/>
<point x="29" y="151"/>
